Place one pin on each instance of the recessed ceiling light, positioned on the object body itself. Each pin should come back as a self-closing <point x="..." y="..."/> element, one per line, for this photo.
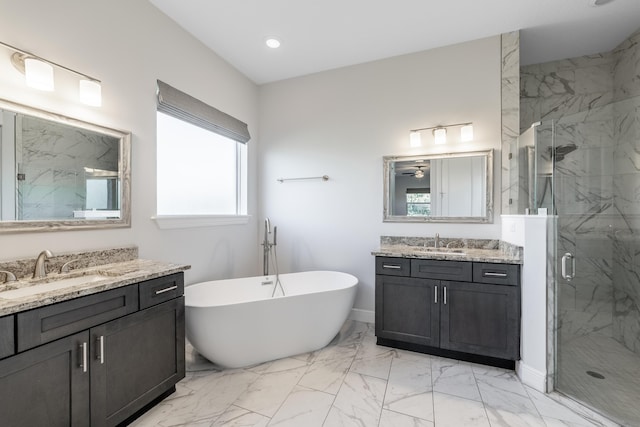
<point x="273" y="43"/>
<point x="595" y="3"/>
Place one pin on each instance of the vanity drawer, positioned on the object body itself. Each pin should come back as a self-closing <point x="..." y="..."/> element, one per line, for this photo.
<point x="156" y="291"/>
<point x="390" y="266"/>
<point x="498" y="274"/>
<point x="457" y="271"/>
<point x="45" y="324"/>
<point x="7" y="339"/>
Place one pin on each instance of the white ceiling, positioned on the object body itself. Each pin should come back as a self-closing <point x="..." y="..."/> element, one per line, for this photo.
<point x="319" y="35"/>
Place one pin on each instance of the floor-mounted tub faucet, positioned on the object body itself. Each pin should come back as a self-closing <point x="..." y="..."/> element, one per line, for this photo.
<point x="266" y="245"/>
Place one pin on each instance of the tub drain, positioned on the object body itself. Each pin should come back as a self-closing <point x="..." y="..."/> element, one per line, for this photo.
<point x="595" y="375"/>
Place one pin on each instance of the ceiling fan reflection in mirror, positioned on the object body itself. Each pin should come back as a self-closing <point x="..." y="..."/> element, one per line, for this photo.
<point x="418" y="173"/>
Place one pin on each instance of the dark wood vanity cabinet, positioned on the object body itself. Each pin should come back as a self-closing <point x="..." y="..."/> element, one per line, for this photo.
<point x="46" y="386"/>
<point x="405" y="310"/>
<point x="458" y="306"/>
<point x="136" y="359"/>
<point x="114" y="359"/>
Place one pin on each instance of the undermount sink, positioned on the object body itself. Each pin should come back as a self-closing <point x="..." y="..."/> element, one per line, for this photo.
<point x="443" y="251"/>
<point x="51" y="286"/>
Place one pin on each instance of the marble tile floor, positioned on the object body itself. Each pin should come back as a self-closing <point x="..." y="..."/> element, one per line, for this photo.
<point x="618" y="392"/>
<point x="354" y="382"/>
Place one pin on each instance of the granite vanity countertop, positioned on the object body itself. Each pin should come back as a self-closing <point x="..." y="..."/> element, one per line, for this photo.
<point x="499" y="255"/>
<point x="116" y="275"/>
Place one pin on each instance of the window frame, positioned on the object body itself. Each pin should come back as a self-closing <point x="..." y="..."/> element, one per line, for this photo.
<point x="182" y="106"/>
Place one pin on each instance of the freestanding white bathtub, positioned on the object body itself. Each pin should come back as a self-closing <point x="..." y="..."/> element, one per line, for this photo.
<point x="236" y="322"/>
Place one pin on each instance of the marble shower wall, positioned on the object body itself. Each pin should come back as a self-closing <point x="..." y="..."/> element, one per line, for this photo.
<point x="510" y="82"/>
<point x="592" y="101"/>
<point x="53" y="190"/>
<point x="626" y="192"/>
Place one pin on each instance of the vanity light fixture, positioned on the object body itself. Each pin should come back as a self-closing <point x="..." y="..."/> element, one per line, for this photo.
<point x="466" y="133"/>
<point x="91" y="92"/>
<point x="39" y="75"/>
<point x="440" y="134"/>
<point x="414" y="139"/>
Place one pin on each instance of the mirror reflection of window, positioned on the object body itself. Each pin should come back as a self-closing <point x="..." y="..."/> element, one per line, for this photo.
<point x="418" y="201"/>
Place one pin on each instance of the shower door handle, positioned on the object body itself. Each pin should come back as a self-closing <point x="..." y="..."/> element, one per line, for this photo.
<point x="565" y="259"/>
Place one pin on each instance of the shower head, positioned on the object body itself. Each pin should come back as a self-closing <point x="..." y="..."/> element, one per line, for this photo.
<point x="561" y="151"/>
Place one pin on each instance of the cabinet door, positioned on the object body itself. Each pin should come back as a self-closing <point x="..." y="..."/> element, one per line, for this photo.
<point x="480" y="319"/>
<point x="46" y="386"/>
<point x="7" y="337"/>
<point x="135" y="359"/>
<point x="407" y="309"/>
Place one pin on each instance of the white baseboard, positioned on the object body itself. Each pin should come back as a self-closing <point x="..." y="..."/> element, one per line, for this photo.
<point x="532" y="377"/>
<point x="358" y="315"/>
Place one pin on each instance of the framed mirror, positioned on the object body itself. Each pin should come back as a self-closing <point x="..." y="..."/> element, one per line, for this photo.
<point x="453" y="187"/>
<point x="59" y="173"/>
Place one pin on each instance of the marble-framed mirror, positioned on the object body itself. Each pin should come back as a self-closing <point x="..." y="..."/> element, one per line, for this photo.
<point x="451" y="187"/>
<point x="60" y="173"/>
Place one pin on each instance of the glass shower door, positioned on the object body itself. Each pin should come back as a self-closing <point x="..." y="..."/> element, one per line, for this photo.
<point x="596" y="243"/>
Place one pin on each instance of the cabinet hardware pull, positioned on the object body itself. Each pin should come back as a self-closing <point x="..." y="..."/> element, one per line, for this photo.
<point x="170" y="288"/>
<point x="444" y="300"/>
<point x="101" y="349"/>
<point x="490" y="274"/>
<point x="435" y="294"/>
<point x="392" y="266"/>
<point x="83" y="362"/>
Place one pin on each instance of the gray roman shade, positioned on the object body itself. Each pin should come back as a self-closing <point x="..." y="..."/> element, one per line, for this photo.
<point x="178" y="104"/>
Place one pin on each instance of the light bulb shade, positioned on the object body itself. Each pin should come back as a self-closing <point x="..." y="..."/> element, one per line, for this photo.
<point x="466" y="133"/>
<point x="38" y="74"/>
<point x="90" y="92"/>
<point x="273" y="43"/>
<point x="440" y="136"/>
<point x="415" y="140"/>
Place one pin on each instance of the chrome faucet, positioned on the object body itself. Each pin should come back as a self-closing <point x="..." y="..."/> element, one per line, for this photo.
<point x="436" y="242"/>
<point x="39" y="269"/>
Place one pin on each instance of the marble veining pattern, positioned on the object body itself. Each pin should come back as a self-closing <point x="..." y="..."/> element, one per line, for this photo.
<point x="509" y="90"/>
<point x="417" y="390"/>
<point x="594" y="103"/>
<point x="55" y="192"/>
